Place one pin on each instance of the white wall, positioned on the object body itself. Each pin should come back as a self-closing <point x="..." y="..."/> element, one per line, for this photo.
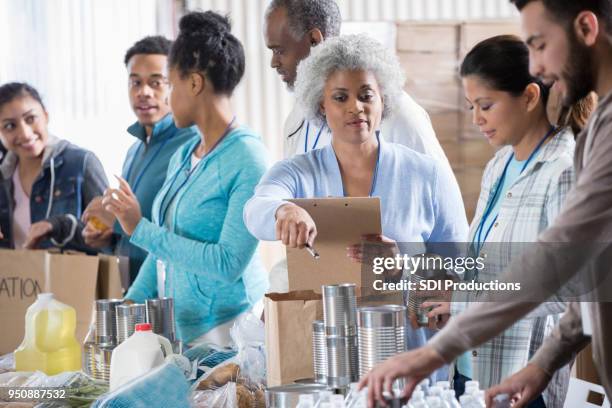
<point x="72" y="52"/>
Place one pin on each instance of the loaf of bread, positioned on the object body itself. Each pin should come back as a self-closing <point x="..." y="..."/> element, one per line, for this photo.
<point x="220" y="376"/>
<point x="244" y="396"/>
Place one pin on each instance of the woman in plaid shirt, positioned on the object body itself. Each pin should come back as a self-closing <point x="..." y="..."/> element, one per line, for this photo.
<point x="522" y="190"/>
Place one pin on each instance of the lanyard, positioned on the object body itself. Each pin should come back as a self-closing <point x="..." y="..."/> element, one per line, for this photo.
<point x="375" y="177"/>
<point x="497" y="191"/>
<point x="314" y="146"/>
<point x="145" y="167"/>
<point x="166" y="200"/>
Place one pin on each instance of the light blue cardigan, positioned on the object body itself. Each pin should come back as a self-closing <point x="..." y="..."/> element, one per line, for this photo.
<point x="215" y="273"/>
<point x="420" y="202"/>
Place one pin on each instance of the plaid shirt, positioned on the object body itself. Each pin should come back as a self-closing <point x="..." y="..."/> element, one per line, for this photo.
<point x="528" y="207"/>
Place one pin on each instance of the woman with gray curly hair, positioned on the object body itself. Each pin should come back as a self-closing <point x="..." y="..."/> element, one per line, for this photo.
<point x="350" y="84"/>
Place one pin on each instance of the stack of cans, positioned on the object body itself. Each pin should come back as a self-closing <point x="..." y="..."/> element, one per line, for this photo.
<point x="113" y="322"/>
<point x="340" y="319"/>
<point x="101" y="339"/>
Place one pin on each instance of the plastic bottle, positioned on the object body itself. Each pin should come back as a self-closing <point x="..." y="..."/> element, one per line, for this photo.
<point x="435" y="391"/>
<point x="424" y="385"/>
<point x="305" y="401"/>
<point x="417" y="400"/>
<point x="49" y="344"/>
<point x="471" y="390"/>
<point x="501" y="401"/>
<point x="445" y="385"/>
<point x="479" y="398"/>
<point x="466" y="401"/>
<point x="435" y="402"/>
<point x="337" y="401"/>
<point x="448" y="396"/>
<point x="137" y="355"/>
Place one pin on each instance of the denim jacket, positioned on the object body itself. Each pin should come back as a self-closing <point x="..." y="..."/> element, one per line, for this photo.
<point x="70" y="178"/>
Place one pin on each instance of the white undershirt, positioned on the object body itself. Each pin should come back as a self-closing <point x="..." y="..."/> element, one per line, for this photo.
<point x="195" y="160"/>
<point x="22" y="220"/>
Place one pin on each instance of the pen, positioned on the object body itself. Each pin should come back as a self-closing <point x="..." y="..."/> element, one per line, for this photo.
<point x="312" y="251"/>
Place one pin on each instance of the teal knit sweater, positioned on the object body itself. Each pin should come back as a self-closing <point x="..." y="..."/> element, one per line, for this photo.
<point x="213" y="271"/>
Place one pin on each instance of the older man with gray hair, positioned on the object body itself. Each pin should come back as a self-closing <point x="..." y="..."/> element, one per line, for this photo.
<point x="292" y="27"/>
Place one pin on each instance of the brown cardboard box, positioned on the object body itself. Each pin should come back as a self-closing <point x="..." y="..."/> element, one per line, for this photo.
<point x="468" y="153"/>
<point x="113" y="276"/>
<point x="585" y="367"/>
<point x="424" y="69"/>
<point x="469" y="179"/>
<point x="442" y="37"/>
<point x="472" y="32"/>
<point x="446" y="126"/>
<point x="454" y="126"/>
<point x="72" y="277"/>
<point x="435" y="98"/>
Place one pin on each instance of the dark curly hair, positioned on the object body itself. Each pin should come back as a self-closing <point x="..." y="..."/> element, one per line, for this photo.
<point x="205" y="44"/>
<point x="13" y="90"/>
<point x="152" y="45"/>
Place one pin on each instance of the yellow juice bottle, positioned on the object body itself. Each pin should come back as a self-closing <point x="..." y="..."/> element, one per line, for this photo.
<point x="49" y="344"/>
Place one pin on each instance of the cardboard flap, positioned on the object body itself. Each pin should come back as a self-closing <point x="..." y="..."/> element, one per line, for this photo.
<point x="295" y="295"/>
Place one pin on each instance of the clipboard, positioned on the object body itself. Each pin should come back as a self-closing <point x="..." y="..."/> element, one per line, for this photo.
<point x="340" y="222"/>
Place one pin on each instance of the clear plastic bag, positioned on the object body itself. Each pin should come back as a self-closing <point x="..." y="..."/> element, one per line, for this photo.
<point x="239" y="381"/>
<point x="7" y="362"/>
<point x="220" y="398"/>
<point x="248" y="333"/>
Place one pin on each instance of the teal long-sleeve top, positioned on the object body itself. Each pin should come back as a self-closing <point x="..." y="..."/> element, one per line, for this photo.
<point x="197" y="230"/>
<point x="145" y="168"/>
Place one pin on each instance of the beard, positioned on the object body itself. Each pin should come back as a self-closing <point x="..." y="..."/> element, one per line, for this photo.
<point x="577" y="74"/>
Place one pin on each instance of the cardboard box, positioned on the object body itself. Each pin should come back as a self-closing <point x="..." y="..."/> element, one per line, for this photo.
<point x="73" y="278"/>
<point x="469" y="180"/>
<point x="423" y="69"/>
<point x="432" y="37"/>
<point x="468" y="153"/>
<point x="473" y="32"/>
<point x="452" y="126"/>
<point x="585" y="367"/>
<point x="435" y="98"/>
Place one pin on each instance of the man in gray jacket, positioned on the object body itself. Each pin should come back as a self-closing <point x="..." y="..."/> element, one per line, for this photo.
<point x="570" y="43"/>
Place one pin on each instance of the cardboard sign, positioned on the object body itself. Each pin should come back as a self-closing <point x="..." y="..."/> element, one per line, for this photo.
<point x="72" y="278"/>
<point x="340" y="222"/>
